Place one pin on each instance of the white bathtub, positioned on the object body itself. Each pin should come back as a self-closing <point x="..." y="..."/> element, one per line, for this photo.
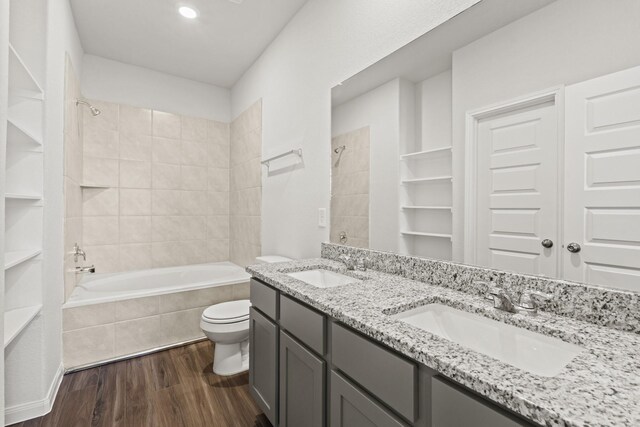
<point x="113" y="316"/>
<point x="109" y="287"/>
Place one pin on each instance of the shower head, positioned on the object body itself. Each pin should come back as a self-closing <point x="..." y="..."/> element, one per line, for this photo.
<point x="340" y="149"/>
<point x="94" y="110"/>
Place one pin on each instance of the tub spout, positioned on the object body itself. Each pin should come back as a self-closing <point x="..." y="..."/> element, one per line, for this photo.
<point x="88" y="269"/>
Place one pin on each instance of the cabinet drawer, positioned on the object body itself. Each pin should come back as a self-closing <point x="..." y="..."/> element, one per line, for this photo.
<point x="304" y="323"/>
<point x="451" y="406"/>
<point x="264" y="298"/>
<point x="383" y="373"/>
<point x="350" y="407"/>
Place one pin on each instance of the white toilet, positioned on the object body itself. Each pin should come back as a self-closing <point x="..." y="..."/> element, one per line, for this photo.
<point x="227" y="325"/>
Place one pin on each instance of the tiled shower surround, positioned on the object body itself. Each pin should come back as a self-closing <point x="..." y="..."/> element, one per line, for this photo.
<point x="350" y="187"/>
<point x="246" y="186"/>
<point x="157" y="189"/>
<point x="147" y="189"/>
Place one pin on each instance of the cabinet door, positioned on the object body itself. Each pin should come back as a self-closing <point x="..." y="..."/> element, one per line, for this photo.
<point x="454" y="407"/>
<point x="351" y="407"/>
<point x="263" y="364"/>
<point x="302" y="385"/>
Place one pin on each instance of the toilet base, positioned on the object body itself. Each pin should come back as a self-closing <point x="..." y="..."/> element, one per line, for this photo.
<point x="231" y="359"/>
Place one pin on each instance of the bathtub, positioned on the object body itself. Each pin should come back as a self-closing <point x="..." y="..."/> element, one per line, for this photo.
<point x="113" y="316"/>
<point x="108" y="287"/>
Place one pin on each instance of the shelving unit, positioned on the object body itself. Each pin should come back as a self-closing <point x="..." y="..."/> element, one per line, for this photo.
<point x="22" y="171"/>
<point x="426" y="174"/>
<point x="419" y="233"/>
<point x="16" y="320"/>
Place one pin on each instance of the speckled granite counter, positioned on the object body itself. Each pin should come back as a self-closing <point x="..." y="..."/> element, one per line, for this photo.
<point x="601" y="387"/>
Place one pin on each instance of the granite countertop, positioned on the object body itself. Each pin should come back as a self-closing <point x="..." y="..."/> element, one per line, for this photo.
<point x="600" y="387"/>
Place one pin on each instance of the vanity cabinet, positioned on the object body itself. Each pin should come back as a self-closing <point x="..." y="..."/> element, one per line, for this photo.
<point x="309" y="370"/>
<point x="351" y="407"/>
<point x="302" y="385"/>
<point x="263" y="363"/>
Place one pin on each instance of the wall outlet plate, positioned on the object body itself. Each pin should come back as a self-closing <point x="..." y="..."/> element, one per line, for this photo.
<point x="322" y="217"/>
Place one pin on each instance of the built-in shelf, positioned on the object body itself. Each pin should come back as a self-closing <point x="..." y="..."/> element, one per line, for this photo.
<point x="18" y="196"/>
<point x="16" y="320"/>
<point x="13" y="258"/>
<point x="430" y="179"/>
<point x="435" y="208"/>
<point x="20" y="77"/>
<point x="26" y="116"/>
<point x="87" y="186"/>
<point x="22" y="137"/>
<point x="419" y="233"/>
<point x="419" y="154"/>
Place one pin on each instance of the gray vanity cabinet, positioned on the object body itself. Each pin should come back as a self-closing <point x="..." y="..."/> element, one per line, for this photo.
<point x="351" y="407"/>
<point x="453" y="406"/>
<point x="302" y="385"/>
<point x="263" y="366"/>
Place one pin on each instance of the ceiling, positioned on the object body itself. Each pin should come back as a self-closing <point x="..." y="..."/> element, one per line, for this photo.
<point x="431" y="53"/>
<point x="216" y="48"/>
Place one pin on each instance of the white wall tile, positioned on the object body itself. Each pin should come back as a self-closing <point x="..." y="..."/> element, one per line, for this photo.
<point x="100" y="201"/>
<point x="135" y="229"/>
<point x="166" y="125"/>
<point x="135" y="147"/>
<point x="100" y="230"/>
<point x="135" y="174"/>
<point x="166" y="150"/>
<point x="135" y="202"/>
<point x="165" y="176"/>
<point x="88" y="345"/>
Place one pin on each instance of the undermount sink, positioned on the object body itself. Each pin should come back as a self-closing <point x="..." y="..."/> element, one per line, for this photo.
<point x="321" y="278"/>
<point x="536" y="353"/>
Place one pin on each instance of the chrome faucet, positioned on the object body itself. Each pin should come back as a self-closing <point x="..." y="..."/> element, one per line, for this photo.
<point x="348" y="261"/>
<point x="77" y="252"/>
<point x="526" y="302"/>
<point x="88" y="269"/>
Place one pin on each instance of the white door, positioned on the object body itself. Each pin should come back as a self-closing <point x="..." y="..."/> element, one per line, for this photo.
<point x="517" y="190"/>
<point x="602" y="195"/>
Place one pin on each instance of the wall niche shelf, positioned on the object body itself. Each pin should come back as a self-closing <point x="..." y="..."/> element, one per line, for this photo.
<point x="430" y="179"/>
<point x="422" y="234"/>
<point x="16" y="320"/>
<point x="434" y="208"/>
<point x="19" y="74"/>
<point x="420" y="154"/>
<point x="19" y="196"/>
<point x="13" y="258"/>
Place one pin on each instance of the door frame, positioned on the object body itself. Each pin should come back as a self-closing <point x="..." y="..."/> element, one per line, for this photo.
<point x="472" y="118"/>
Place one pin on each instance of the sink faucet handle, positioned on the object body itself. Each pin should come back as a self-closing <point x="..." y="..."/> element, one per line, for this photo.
<point x="490" y="291"/>
<point x="530" y="301"/>
<point x="348" y="261"/>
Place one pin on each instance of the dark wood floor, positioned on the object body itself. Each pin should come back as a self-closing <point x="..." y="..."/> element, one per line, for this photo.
<point x="172" y="388"/>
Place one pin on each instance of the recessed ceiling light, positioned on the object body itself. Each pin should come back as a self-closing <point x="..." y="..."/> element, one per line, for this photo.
<point x="188" y="12"/>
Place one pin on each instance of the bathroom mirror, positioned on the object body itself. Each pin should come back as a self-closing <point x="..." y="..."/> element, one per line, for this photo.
<point x="507" y="137"/>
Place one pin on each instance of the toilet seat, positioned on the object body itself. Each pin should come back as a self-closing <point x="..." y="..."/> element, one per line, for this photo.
<point x="227" y="312"/>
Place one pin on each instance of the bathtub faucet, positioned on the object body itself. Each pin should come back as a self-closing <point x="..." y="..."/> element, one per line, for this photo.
<point x="87" y="269"/>
<point x="77" y="252"/>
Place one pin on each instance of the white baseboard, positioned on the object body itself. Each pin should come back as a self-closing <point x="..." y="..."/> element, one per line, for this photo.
<point x="38" y="408"/>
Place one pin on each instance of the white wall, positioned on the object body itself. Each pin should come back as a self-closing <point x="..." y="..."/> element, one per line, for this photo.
<point x="378" y="109"/>
<point x="62" y="37"/>
<point x="325" y="43"/>
<point x="107" y="80"/>
<point x="566" y="42"/>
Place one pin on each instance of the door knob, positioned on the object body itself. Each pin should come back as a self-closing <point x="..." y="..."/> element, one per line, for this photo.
<point x="573" y="247"/>
<point x="547" y="243"/>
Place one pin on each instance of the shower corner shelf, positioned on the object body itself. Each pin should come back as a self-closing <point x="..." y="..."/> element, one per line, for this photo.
<point x="93" y="186"/>
<point x="22" y="196"/>
<point x="17" y="319"/>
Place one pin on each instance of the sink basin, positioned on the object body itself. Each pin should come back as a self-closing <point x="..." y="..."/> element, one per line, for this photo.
<point x="536" y="353"/>
<point x="323" y="278"/>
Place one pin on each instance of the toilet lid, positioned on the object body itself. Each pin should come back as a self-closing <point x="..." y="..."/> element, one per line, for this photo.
<point x="227" y="312"/>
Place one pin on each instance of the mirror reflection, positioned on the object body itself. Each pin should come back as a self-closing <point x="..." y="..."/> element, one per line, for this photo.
<point x="507" y="137"/>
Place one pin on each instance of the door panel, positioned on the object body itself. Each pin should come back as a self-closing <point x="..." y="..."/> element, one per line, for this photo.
<point x="602" y="191"/>
<point x="263" y="363"/>
<point x="517" y="188"/>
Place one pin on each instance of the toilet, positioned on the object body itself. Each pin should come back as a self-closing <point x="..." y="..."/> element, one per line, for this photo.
<point x="227" y="325"/>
